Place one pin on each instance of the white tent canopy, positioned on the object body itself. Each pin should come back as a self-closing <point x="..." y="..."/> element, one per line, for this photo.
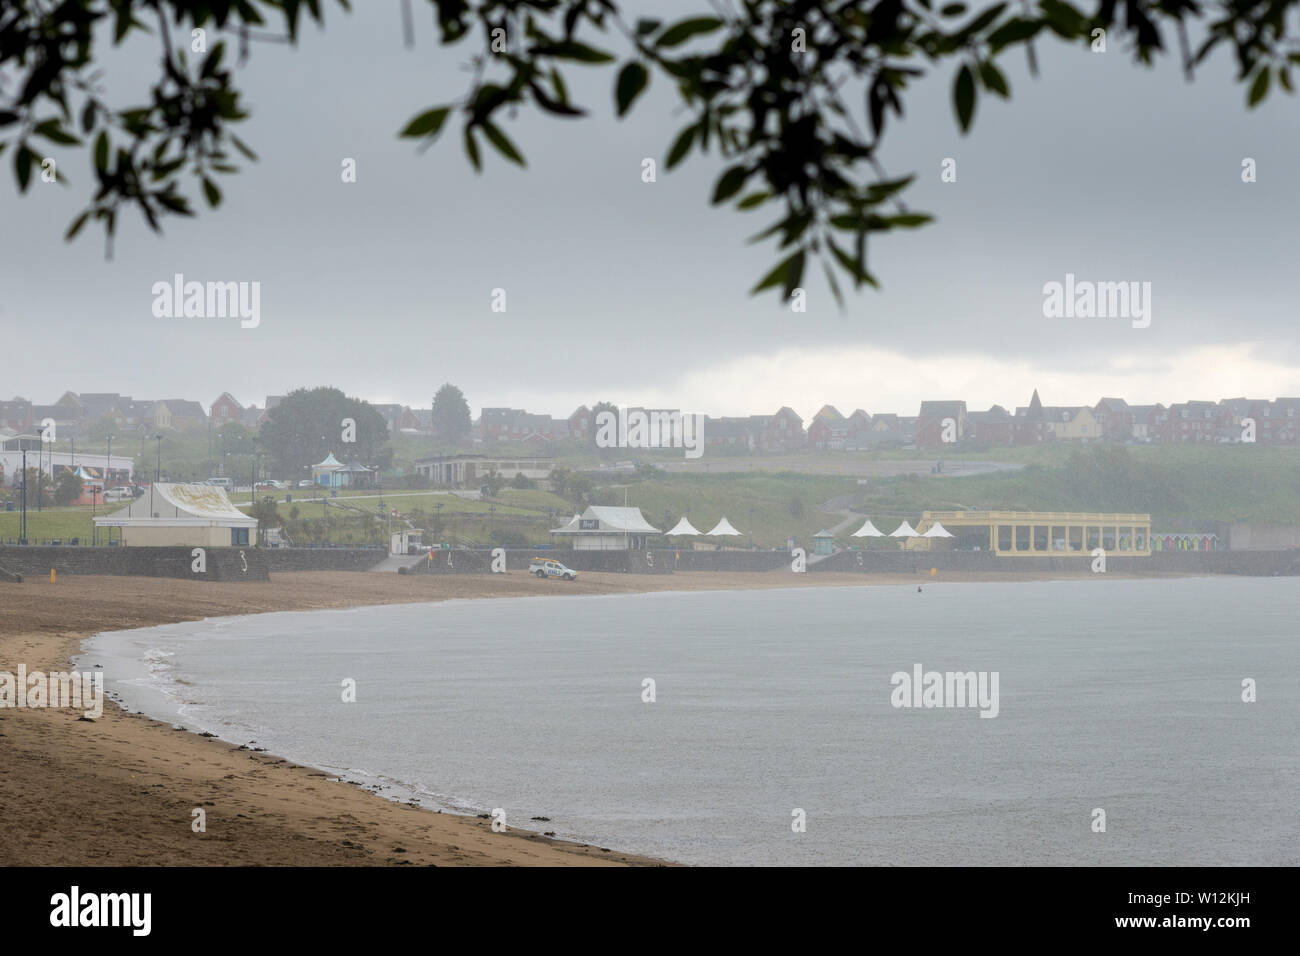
<point x="905" y="530"/>
<point x="938" y="531"/>
<point x="868" y="530"/>
<point x="683" y="527"/>
<point x="723" y="527"/>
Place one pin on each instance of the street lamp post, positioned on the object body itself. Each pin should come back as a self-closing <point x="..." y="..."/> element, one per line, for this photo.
<point x="22" y="539"/>
<point x="40" y="471"/>
<point x="157" y="470"/>
<point x="108" y="470"/>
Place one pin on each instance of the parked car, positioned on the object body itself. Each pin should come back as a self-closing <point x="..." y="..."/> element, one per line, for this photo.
<point x="551" y="569"/>
<point x="119" y="494"/>
<point x="226" y="483"/>
<point x="306" y="483"/>
<point x="273" y="485"/>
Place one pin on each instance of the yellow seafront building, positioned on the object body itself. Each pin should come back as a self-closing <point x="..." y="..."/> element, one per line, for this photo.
<point x="1039" y="533"/>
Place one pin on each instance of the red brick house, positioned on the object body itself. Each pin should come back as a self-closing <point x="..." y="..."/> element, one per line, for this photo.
<point x="225" y="410"/>
<point x="1278" y="423"/>
<point x="930" y="423"/>
<point x="1194" y="422"/>
<point x="783" y="431"/>
<point x="1115" y="418"/>
<point x="828" y="430"/>
<point x="993" y="427"/>
<point x="580" y="422"/>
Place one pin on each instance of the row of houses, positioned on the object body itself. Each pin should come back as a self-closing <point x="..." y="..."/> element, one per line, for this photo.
<point x="73" y="414"/>
<point x="943" y="423"/>
<point x="937" y="424"/>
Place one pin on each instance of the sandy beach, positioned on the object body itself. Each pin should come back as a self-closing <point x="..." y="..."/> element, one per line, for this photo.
<point x="120" y="790"/>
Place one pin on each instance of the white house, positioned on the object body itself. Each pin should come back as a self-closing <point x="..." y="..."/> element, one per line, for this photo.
<point x="188" y="515"/>
<point x="602" y="528"/>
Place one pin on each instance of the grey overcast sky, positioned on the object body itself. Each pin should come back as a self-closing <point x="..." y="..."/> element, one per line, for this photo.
<point x="637" y="293"/>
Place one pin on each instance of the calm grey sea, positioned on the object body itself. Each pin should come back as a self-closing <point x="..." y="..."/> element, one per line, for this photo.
<point x="1124" y="695"/>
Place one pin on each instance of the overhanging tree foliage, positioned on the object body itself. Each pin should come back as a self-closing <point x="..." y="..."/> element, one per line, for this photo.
<point x="793" y="95"/>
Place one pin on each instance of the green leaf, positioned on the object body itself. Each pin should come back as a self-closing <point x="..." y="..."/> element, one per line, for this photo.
<point x="212" y="192"/>
<point x="993" y="79"/>
<point x="679" y="33"/>
<point x="1013" y="31"/>
<point x="909" y="220"/>
<point x="729" y="183"/>
<point x="23" y="167"/>
<point x="681" y="147"/>
<point x="835" y="286"/>
<point x="572" y="50"/>
<point x="471" y="149"/>
<point x="1259" y="89"/>
<point x="76" y="226"/>
<point x="963" y="97"/>
<point x="980" y="22"/>
<point x="243" y="147"/>
<point x="7" y="117"/>
<point x="427" y="123"/>
<point x="854" y="268"/>
<point x="557" y="82"/>
<point x="790" y="268"/>
<point x="632" y="80"/>
<point x="101" y="151"/>
<point x="753" y="200"/>
<point x="52" y="130"/>
<point x="503" y="144"/>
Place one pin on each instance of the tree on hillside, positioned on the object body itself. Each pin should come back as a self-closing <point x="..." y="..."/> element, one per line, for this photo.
<point x="579" y="490"/>
<point x="38" y="486"/>
<point x="766" y="83"/>
<point x="68" y="489"/>
<point x="451" y="422"/>
<point x="309" y="424"/>
<point x="493" y="483"/>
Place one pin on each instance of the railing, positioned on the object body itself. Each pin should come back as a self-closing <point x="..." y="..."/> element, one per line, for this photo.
<point x="1037" y="517"/>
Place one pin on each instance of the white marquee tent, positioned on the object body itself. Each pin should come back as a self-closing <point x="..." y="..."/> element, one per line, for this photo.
<point x="938" y="531"/>
<point x="868" y="530"/>
<point x="723" y="527"/>
<point x="905" y="530"/>
<point x="683" y="527"/>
